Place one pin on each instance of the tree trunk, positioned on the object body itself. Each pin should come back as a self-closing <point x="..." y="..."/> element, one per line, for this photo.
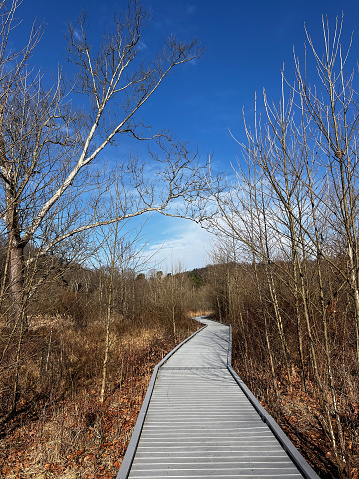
<point x="16" y="279"/>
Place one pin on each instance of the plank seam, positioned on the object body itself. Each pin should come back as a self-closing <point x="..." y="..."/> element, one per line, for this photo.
<point x="164" y="368"/>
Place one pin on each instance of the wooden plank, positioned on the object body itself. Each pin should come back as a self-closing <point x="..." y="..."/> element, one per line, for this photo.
<point x="200" y="423"/>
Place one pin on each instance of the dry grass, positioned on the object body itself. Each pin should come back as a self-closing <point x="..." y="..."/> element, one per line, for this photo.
<point x="67" y="433"/>
<point x="300" y="414"/>
<point x="199" y="312"/>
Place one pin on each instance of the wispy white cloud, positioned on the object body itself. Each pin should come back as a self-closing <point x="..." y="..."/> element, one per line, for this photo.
<point x="191" y="9"/>
<point x="77" y="35"/>
<point x="142" y="45"/>
<point x="186" y="244"/>
<point x="194" y="61"/>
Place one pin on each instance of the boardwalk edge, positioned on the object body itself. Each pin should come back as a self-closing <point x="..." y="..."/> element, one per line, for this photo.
<point x="306" y="470"/>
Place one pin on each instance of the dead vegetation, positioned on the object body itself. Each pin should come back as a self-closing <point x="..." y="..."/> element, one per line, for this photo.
<point x="60" y="429"/>
<point x="296" y="402"/>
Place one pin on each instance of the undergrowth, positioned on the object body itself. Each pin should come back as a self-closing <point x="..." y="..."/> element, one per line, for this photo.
<point x="61" y="429"/>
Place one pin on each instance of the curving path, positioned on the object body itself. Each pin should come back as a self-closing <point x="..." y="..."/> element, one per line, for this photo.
<point x="200" y="421"/>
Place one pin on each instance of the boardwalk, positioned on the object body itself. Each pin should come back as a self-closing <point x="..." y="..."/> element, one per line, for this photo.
<point x="199" y="420"/>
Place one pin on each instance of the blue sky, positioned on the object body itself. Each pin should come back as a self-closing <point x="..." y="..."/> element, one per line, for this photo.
<point x="246" y="44"/>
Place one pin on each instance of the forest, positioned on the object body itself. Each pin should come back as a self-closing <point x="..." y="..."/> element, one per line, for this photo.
<point x="84" y="320"/>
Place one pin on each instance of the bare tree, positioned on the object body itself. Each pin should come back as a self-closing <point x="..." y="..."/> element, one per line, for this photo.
<point x="294" y="206"/>
<point x="49" y="150"/>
